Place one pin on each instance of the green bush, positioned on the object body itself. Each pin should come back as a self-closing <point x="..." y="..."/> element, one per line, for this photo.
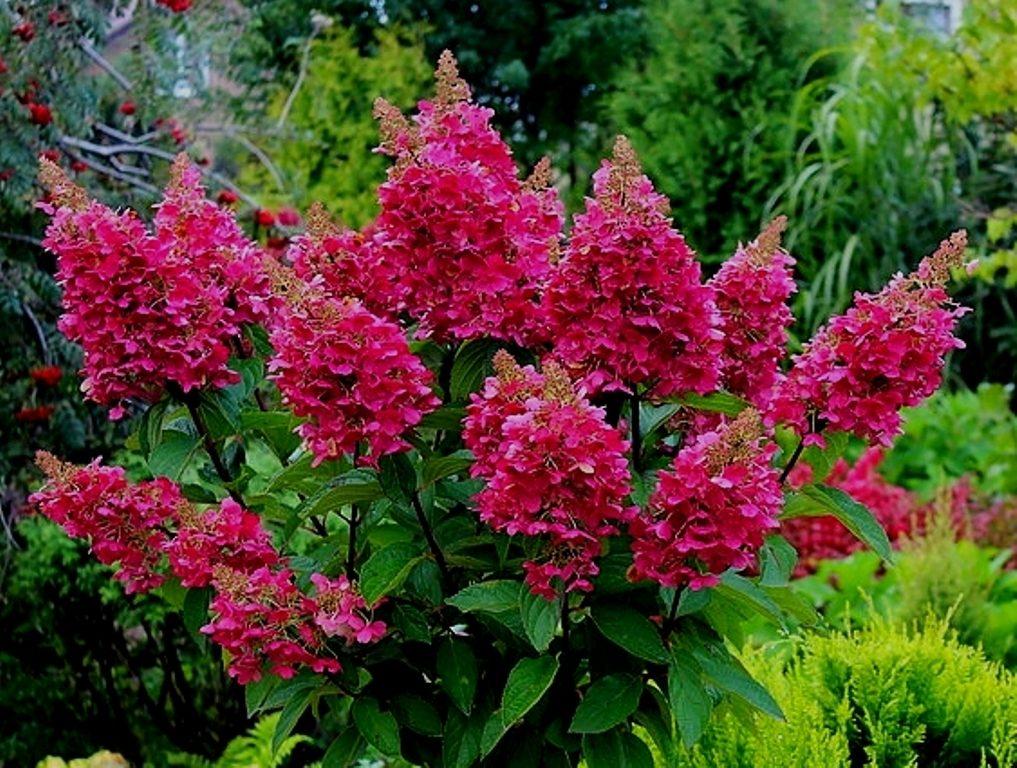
<point x="884" y="696"/>
<point x="704" y="105"/>
<point x="954" y="435"/>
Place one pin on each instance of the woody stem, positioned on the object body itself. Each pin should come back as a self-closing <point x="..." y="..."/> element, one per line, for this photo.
<point x="191" y="401"/>
<point x="793" y="460"/>
<point x="425" y="526"/>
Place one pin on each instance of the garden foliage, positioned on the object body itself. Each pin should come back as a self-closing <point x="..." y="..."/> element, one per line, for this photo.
<point x="511" y="496"/>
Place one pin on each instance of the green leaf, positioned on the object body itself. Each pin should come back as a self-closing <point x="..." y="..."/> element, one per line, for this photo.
<point x="728" y="674"/>
<point x="746" y="594"/>
<point x="716" y="402"/>
<point x="822" y="459"/>
<point x="540" y="618"/>
<point x="436" y="468"/>
<point x="278" y="427"/>
<point x="819" y="500"/>
<point x="378" y="728"/>
<point x="342" y="495"/>
<point x="417" y="715"/>
<point x="616" y="749"/>
<point x="471" y="366"/>
<point x="527" y="682"/>
<point x="195" y="613"/>
<point x="150" y="427"/>
<point x="447" y="418"/>
<point x="607" y="703"/>
<point x="171" y="456"/>
<point x="397" y="476"/>
<point x="457" y="673"/>
<point x="385" y="571"/>
<point x="291" y="713"/>
<point x="631" y="630"/>
<point x="257" y="692"/>
<point x="777" y="559"/>
<point x="412" y="623"/>
<point x="488" y="596"/>
<point x="691" y="704"/>
<point x="344" y="751"/>
<point x="461" y="740"/>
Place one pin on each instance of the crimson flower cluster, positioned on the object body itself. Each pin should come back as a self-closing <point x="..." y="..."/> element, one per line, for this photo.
<point x="711" y="509"/>
<point x="259" y="615"/>
<point x="752" y="289"/>
<point x="349" y="372"/>
<point x="553" y="468"/>
<point x="151" y="308"/>
<point x="470" y="244"/>
<point x="885" y="353"/>
<point x="626" y="304"/>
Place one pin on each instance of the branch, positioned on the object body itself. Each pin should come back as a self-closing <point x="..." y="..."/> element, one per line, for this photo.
<point x="793" y="460"/>
<point x="439" y="556"/>
<point x="104" y="63"/>
<point x="113" y="172"/>
<point x="21" y="238"/>
<point x="305" y="60"/>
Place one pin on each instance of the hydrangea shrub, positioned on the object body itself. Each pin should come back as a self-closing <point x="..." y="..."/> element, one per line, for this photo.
<point x="461" y="486"/>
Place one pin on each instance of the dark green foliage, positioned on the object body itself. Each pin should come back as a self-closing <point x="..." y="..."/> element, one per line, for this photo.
<point x="82" y="667"/>
<point x="705" y="104"/>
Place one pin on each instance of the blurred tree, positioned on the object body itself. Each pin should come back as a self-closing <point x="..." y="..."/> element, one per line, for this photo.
<point x="320" y="133"/>
<point x="705" y="105"/>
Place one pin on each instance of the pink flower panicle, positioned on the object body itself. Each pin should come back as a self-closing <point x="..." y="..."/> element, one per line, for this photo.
<point x="825" y="537"/>
<point x="259" y="615"/>
<point x="553" y="468"/>
<point x="346" y="262"/>
<point x="626" y="304"/>
<point x="471" y="245"/>
<point x="147" y="309"/>
<point x="711" y="509"/>
<point x="260" y="618"/>
<point x="127" y="525"/>
<point x="885" y="353"/>
<point x="228" y="535"/>
<point x="348" y="372"/>
<point x="752" y="290"/>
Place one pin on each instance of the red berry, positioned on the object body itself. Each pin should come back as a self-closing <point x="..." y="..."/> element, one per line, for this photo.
<point x="264" y="217"/>
<point x="79" y="166"/>
<point x="50" y="154"/>
<point x="40" y="114"/>
<point x="57" y="17"/>
<point x="128" y="108"/>
<point x="49" y="375"/>
<point x="288" y="217"/>
<point x="25" y="30"/>
<point x="227" y="197"/>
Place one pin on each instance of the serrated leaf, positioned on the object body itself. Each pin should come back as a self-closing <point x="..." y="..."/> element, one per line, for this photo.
<point x="471" y="366"/>
<point x="616" y="749"/>
<point x="527" y="683"/>
<point x="378" y="728"/>
<point x="417" y="715"/>
<point x="439" y="467"/>
<point x="412" y="623"/>
<point x="728" y="674"/>
<point x="397" y="476"/>
<point x="630" y="630"/>
<point x="256" y="693"/>
<point x="343" y="495"/>
<point x="195" y="610"/>
<point x="716" y="402"/>
<point x="822" y="459"/>
<point x="461" y="740"/>
<point x="691" y="705"/>
<point x="819" y="500"/>
<point x="386" y="570"/>
<point x="290" y="715"/>
<point x="447" y="418"/>
<point x="607" y="703"/>
<point x="457" y="673"/>
<point x="540" y="618"/>
<point x="344" y="751"/>
<point x="173" y="454"/>
<point x="777" y="559"/>
<point x="495" y="596"/>
<point x="744" y="593"/>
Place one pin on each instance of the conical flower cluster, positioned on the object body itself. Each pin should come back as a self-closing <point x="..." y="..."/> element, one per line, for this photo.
<point x="752" y="289"/>
<point x="470" y="243"/>
<point x="553" y="469"/>
<point x="626" y="304"/>
<point x="885" y="353"/>
<point x="711" y="509"/>
<point x="348" y="372"/>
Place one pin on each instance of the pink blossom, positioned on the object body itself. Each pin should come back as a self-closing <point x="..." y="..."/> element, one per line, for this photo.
<point x="348" y="372"/>
<point x="341" y="611"/>
<point x="261" y="618"/>
<point x="471" y="244"/>
<point x="127" y="525"/>
<point x="711" y="509"/>
<point x="150" y="308"/>
<point x="225" y="535"/>
<point x="752" y="290"/>
<point x="886" y="352"/>
<point x="553" y="468"/>
<point x="626" y="304"/>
